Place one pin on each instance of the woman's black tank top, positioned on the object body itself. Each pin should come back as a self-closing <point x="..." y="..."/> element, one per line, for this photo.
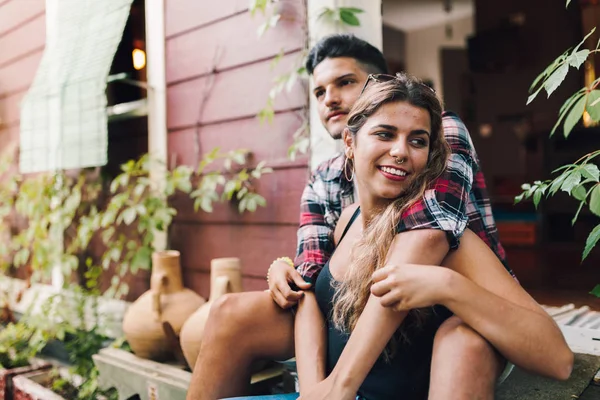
<point x="406" y="375"/>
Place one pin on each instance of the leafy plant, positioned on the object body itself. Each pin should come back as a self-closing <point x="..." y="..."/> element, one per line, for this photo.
<point x="341" y="17"/>
<point x="580" y="179"/>
<point x="19" y="343"/>
<point x="138" y="208"/>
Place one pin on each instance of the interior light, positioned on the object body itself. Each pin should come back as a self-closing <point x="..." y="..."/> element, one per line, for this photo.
<point x="139" y="58"/>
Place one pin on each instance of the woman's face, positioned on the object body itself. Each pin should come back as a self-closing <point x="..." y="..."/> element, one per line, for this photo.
<point x="390" y="149"/>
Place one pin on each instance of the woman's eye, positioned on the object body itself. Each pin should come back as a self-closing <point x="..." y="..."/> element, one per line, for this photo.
<point x="419" y="142"/>
<point x="384" y="135"/>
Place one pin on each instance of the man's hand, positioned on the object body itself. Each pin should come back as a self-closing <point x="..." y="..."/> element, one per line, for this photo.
<point x="408" y="286"/>
<point x="281" y="275"/>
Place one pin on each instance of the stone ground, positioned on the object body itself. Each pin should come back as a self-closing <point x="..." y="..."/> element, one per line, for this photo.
<point x="523" y="386"/>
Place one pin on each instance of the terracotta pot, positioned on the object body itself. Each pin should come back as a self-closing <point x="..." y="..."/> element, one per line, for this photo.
<point x="225" y="277"/>
<point x="167" y="301"/>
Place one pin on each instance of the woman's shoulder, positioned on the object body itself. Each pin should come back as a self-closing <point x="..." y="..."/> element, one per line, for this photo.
<point x="344" y="221"/>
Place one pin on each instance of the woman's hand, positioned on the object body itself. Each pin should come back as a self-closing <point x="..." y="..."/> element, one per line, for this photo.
<point x="409" y="286"/>
<point x="280" y="276"/>
<point x="327" y="389"/>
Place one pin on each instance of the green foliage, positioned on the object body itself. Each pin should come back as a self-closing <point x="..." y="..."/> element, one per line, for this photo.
<point x="342" y="17"/>
<point x="579" y="180"/>
<point x="19" y="343"/>
<point x="584" y="99"/>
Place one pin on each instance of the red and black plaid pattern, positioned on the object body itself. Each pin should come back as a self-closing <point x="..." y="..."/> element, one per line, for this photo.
<point x="458" y="199"/>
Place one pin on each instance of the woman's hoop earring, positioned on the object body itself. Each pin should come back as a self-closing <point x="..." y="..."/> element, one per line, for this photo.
<point x="346" y="170"/>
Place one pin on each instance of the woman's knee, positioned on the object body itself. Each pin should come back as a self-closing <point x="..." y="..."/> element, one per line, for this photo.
<point x="457" y="335"/>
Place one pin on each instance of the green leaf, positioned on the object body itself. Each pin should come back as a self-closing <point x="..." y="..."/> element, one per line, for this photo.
<point x="569" y="103"/>
<point x="537" y="196"/>
<point x="593" y="105"/>
<point x="554" y="80"/>
<point x="591" y="171"/>
<point x="577" y="213"/>
<point x="591" y="241"/>
<point x="129" y="215"/>
<point x="596" y="290"/>
<point x="576" y="59"/>
<point x="595" y="200"/>
<point x="579" y="193"/>
<point x="326" y="13"/>
<point x="349" y="18"/>
<point x="533" y="96"/>
<point x="519" y="198"/>
<point x="574" y="116"/>
<point x="572" y="180"/>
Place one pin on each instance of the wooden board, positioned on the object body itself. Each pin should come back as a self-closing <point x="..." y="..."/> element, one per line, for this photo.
<point x="184" y="15"/>
<point x="16" y="12"/>
<point x="256" y="245"/>
<point x="234" y="94"/>
<point x="17" y="76"/>
<point x="26" y="38"/>
<point x="267" y="141"/>
<point x="230" y="43"/>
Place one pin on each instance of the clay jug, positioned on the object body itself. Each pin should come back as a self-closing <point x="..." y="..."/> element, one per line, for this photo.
<point x="167" y="301"/>
<point x="225" y="277"/>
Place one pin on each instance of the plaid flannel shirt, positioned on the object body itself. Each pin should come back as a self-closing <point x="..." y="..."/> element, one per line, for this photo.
<point x="457" y="199"/>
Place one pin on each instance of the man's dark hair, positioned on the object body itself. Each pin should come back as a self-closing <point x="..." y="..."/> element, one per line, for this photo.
<point x="345" y="45"/>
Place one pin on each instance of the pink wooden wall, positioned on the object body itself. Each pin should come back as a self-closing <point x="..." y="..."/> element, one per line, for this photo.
<point x="218" y="78"/>
<point x="22" y="39"/>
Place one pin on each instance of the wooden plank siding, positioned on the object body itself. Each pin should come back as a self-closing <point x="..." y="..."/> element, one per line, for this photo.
<point x="219" y="74"/>
<point x="22" y="38"/>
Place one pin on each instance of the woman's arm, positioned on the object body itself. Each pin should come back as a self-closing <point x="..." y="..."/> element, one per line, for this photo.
<point x="377" y="324"/>
<point x="310" y="342"/>
<point x="479" y="290"/>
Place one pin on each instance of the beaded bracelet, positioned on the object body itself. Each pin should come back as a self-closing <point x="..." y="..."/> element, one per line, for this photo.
<point x="286" y="260"/>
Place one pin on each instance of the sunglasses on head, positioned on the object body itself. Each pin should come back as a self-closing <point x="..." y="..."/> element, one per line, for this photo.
<point x="380" y="78"/>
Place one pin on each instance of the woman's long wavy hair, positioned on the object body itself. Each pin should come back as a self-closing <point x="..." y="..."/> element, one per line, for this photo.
<point x="370" y="253"/>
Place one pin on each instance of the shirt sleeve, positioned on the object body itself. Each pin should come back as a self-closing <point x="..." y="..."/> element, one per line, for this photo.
<point x="315" y="234"/>
<point x="444" y="206"/>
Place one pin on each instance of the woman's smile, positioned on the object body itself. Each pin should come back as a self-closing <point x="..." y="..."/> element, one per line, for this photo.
<point x="393" y="173"/>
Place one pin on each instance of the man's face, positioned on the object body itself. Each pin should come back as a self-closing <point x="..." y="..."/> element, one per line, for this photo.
<point x="337" y="84"/>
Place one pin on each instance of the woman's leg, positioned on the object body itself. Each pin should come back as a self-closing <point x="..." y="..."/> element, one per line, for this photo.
<point x="241" y="328"/>
<point x="464" y="365"/>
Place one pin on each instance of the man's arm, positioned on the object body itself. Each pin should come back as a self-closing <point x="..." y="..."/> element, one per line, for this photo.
<point x="444" y="206"/>
<point x="315" y="242"/>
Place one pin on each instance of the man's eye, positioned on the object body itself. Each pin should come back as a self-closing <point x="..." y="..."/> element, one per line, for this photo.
<point x="346" y="82"/>
<point x="319" y="93"/>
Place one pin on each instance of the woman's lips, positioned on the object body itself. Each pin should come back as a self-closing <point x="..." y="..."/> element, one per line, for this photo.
<point x="392" y="177"/>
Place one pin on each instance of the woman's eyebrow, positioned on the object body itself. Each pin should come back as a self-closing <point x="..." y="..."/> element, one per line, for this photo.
<point x="420" y="132"/>
<point x="385" y="126"/>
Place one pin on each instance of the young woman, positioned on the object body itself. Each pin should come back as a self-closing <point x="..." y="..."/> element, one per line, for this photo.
<point x="348" y="343"/>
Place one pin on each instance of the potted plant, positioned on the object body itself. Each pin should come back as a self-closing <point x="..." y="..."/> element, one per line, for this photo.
<point x="19" y="344"/>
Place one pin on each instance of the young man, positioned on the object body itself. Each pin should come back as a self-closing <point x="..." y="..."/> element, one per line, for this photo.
<point x="246" y="327"/>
